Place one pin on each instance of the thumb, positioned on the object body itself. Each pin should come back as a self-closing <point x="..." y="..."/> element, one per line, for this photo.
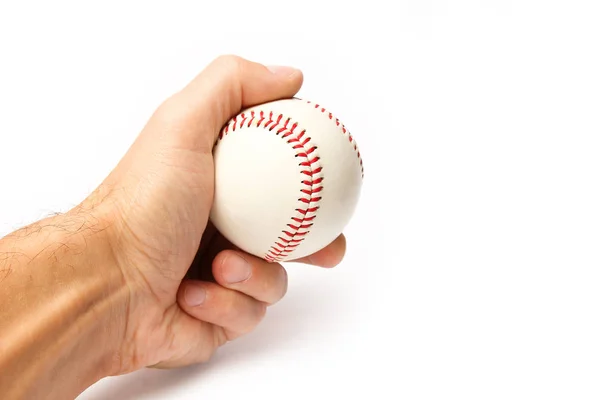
<point x="222" y="90"/>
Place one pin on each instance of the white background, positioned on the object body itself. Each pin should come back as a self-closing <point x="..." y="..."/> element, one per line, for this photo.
<point x="473" y="268"/>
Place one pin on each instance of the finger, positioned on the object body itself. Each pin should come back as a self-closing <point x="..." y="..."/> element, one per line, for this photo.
<point x="222" y="90"/>
<point x="255" y="277"/>
<point x="201" y="267"/>
<point x="328" y="257"/>
<point x="234" y="311"/>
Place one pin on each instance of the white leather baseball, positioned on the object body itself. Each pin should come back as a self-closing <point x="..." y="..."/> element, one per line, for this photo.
<point x="288" y="176"/>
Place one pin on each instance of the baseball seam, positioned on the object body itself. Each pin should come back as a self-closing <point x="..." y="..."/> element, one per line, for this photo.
<point x="344" y="130"/>
<point x="312" y="183"/>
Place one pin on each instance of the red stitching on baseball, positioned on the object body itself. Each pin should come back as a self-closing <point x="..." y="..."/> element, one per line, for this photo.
<point x="344" y="130"/>
<point x="299" y="141"/>
<point x="299" y="227"/>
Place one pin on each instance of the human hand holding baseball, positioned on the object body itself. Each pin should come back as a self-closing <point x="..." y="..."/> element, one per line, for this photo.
<point x="150" y="281"/>
<point x="158" y="202"/>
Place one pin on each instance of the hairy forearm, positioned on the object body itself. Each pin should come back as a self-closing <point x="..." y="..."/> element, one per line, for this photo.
<point x="62" y="301"/>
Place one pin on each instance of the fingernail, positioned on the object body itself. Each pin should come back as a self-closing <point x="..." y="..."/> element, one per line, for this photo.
<point x="194" y="295"/>
<point x="282" y="70"/>
<point x="236" y="269"/>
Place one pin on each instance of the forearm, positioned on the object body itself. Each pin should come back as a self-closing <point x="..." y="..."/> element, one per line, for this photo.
<point x="61" y="304"/>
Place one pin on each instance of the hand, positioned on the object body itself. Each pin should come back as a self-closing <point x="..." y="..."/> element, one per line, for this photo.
<point x="189" y="290"/>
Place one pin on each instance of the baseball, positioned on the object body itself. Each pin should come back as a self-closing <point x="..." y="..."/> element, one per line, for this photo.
<point x="288" y="176"/>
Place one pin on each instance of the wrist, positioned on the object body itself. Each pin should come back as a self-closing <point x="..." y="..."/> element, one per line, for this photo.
<point x="67" y="305"/>
<point x="101" y="294"/>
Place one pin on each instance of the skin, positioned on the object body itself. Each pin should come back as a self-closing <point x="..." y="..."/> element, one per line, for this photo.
<point x="135" y="276"/>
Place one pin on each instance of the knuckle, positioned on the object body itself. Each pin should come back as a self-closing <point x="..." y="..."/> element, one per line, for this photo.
<point x="229" y="63"/>
<point x="171" y="112"/>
